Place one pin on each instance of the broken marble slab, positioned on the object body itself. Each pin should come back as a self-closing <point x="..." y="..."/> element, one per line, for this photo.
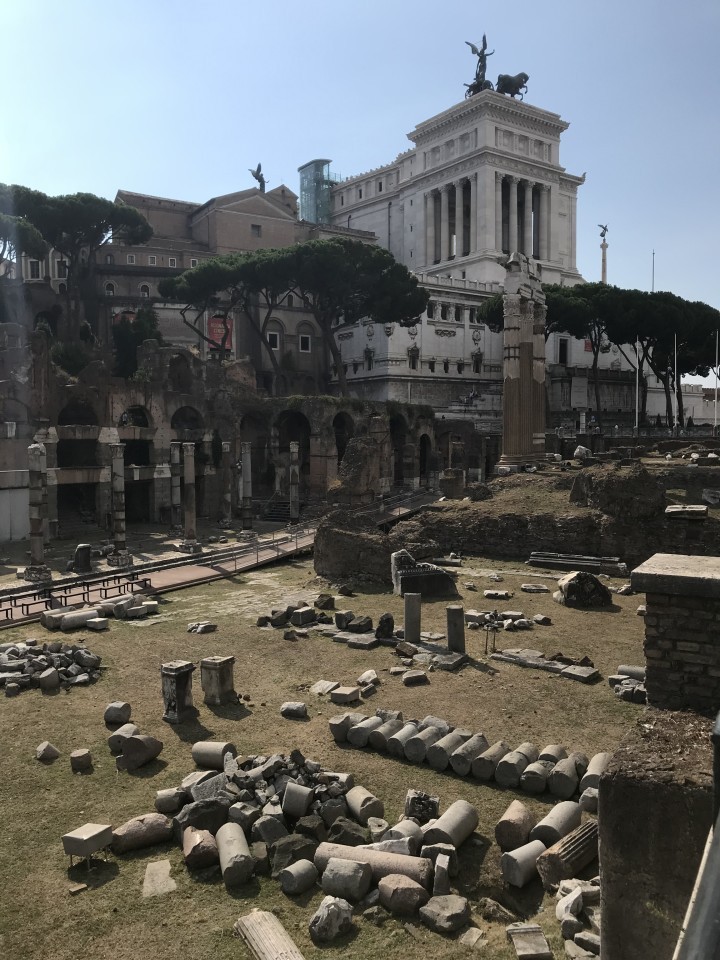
<point x="157" y="879"/>
<point x="529" y="941"/>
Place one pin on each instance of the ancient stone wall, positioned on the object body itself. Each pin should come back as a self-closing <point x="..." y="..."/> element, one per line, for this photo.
<point x="655" y="801"/>
<point x="348" y="546"/>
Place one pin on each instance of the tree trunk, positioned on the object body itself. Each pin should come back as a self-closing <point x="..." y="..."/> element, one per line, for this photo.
<point x="680" y="407"/>
<point x="596" y="381"/>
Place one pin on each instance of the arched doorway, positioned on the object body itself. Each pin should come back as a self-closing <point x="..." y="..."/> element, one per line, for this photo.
<point x="425" y="454"/>
<point x="294" y="427"/>
<point x="180" y="374"/>
<point x="344" y="428"/>
<point x="398" y="438"/>
<point x="254" y="430"/>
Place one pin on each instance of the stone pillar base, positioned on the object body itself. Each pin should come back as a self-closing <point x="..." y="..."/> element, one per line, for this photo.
<point x="35" y="573"/>
<point x="190" y="546"/>
<point x="119" y="558"/>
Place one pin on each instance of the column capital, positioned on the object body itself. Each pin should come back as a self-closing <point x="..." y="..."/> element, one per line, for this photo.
<point x="529" y="183"/>
<point x="188" y="449"/>
<point x="117" y="450"/>
<point x="545" y="187"/>
<point x="499" y="177"/>
<point x="513" y="179"/>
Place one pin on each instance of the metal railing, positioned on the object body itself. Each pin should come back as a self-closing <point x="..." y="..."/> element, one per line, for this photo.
<point x="700" y="936"/>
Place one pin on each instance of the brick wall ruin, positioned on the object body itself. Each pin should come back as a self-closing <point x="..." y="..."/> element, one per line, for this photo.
<point x="682" y="630"/>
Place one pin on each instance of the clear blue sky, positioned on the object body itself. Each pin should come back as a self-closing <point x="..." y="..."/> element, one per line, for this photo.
<point x="179" y="98"/>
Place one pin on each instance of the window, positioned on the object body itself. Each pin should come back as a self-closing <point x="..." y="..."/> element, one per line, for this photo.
<point x="359" y="193"/>
<point x="342" y="201"/>
<point x="34" y="269"/>
<point x="477" y="362"/>
<point x="446" y="366"/>
<point x="144" y="290"/>
<point x="172" y="261"/>
<point x="355" y="366"/>
<point x="274" y="341"/>
<point x="444" y="312"/>
<point x="255" y="229"/>
<point x="290" y="300"/>
<point x="61" y="269"/>
<point x="379" y="186"/>
<point x="152" y="261"/>
<point x="460" y="367"/>
<point x="369" y="359"/>
<point x="471" y="314"/>
<point x="304" y="343"/>
<point x="62" y="288"/>
<point x="431" y="366"/>
<point x="131" y="258"/>
<point x="430" y="309"/>
<point x="109" y="258"/>
<point x="193" y="261"/>
<point x="411" y="228"/>
<point x="109" y="289"/>
<point x="563" y="343"/>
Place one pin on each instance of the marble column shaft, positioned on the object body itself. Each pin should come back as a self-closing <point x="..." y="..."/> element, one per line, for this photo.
<point x="498" y="212"/>
<point x="117" y="451"/>
<point x="190" y="518"/>
<point x="459" y="218"/>
<point x="247" y="511"/>
<point x="175" y="499"/>
<point x="36" y="461"/>
<point x="227" y="485"/>
<point x="543" y="229"/>
<point x="528" y="220"/>
<point x="473" y="213"/>
<point x="430" y="228"/>
<point x="294" y="481"/>
<point x="444" y="222"/>
<point x="513" y="215"/>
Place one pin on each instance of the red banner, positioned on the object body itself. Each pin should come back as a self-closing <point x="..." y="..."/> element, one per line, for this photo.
<point x="588" y="346"/>
<point x="216" y="331"/>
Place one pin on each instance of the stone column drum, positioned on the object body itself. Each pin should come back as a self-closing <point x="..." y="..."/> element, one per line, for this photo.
<point x="38" y="569"/>
<point x="120" y="556"/>
<point x="190" y="543"/>
<point x="175" y="504"/>
<point x="217" y="680"/>
<point x="246" y="479"/>
<point x="177" y="690"/>
<point x="294" y="482"/>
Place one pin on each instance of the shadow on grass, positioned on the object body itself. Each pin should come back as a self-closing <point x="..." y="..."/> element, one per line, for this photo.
<point x="100" y="872"/>
<point x="149" y="769"/>
<point x="191" y="730"/>
<point x="230" y="711"/>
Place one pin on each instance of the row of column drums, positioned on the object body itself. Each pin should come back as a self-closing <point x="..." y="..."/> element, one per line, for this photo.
<point x="521" y="219"/>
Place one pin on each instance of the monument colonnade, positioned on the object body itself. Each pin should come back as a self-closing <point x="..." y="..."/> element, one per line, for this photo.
<point x="506" y="213"/>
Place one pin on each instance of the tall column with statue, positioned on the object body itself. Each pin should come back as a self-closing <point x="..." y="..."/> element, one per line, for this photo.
<point x="523" y="364"/>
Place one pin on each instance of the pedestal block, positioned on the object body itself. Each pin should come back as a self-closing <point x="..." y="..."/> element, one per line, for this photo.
<point x="177" y="690"/>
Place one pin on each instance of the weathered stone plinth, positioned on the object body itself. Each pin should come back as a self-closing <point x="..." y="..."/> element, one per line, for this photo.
<point x="190" y="546"/>
<point x="119" y="558"/>
<point x="217" y="680"/>
<point x="177" y="690"/>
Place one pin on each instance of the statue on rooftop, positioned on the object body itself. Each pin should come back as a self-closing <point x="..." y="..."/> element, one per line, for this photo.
<point x="479" y="83"/>
<point x="258" y="175"/>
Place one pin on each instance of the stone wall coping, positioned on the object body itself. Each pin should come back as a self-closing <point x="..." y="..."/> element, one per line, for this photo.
<point x="678" y="575"/>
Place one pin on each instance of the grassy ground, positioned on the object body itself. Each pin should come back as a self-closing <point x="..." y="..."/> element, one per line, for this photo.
<point x="39" y="918"/>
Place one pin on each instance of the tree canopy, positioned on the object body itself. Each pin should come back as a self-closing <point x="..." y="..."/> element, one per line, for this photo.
<point x="77" y="226"/>
<point x="339" y="281"/>
<point x="17" y="234"/>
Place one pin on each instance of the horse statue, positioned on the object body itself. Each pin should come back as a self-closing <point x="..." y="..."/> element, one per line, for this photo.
<point x="512" y="85"/>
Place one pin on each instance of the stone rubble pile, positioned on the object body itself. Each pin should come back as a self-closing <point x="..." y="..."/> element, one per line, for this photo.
<point x="629" y="684"/>
<point x="287" y="817"/>
<point x="442" y="746"/>
<point x="47" y="666"/>
<point x="570" y="668"/>
<point x="578" y="911"/>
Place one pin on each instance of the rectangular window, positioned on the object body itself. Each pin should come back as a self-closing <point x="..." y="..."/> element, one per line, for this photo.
<point x="563" y="350"/>
<point x="274" y="341"/>
<point x="193" y="262"/>
<point x="359" y="193"/>
<point x="131" y="258"/>
<point x="413" y="362"/>
<point x="152" y="261"/>
<point x="256" y="229"/>
<point x="172" y="261"/>
<point x="304" y="344"/>
<point x="34" y="269"/>
<point x="61" y="269"/>
<point x="379" y="186"/>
